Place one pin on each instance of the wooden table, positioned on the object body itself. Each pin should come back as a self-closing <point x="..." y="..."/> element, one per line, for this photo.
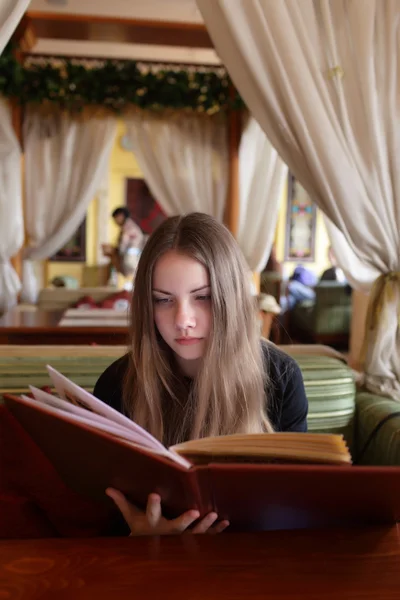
<point x="43" y="327"/>
<point x="322" y="565"/>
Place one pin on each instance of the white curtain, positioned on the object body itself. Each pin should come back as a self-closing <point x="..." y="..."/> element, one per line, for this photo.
<point x="358" y="273"/>
<point x="11" y="12"/>
<point x="66" y="157"/>
<point x="103" y="219"/>
<point x="184" y="160"/>
<point x="11" y="217"/>
<point x="322" y="79"/>
<point x="262" y="176"/>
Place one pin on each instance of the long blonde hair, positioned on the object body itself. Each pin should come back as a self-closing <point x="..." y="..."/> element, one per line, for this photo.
<point x="227" y="395"/>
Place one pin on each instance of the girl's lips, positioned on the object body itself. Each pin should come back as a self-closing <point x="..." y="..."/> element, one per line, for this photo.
<point x="188" y="341"/>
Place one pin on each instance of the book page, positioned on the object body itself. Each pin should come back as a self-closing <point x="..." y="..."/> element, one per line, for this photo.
<point x="93" y="419"/>
<point x="77" y="396"/>
<point x="80" y="416"/>
<point x="289" y="446"/>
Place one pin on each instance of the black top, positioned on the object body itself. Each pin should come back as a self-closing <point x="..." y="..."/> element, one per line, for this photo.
<point x="287" y="402"/>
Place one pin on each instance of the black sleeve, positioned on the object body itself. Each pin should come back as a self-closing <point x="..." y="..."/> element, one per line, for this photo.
<point x="295" y="403"/>
<point x="109" y="385"/>
<point x="286" y="396"/>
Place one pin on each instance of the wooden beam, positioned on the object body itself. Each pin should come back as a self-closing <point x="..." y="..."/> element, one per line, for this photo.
<point x="28" y="41"/>
<point x="192" y="26"/>
<point x="24" y="36"/>
<point x="232" y="202"/>
<point x="115" y="29"/>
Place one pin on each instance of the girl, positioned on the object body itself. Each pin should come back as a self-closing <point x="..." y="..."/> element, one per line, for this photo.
<point x="196" y="366"/>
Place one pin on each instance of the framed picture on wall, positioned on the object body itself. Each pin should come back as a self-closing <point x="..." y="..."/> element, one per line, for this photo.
<point x="143" y="207"/>
<point x="75" y="249"/>
<point x="301" y="221"/>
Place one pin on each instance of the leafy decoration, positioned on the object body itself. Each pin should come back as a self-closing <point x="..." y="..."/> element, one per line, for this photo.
<point x="73" y="84"/>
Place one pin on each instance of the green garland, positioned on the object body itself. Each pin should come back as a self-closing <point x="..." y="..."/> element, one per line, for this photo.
<point x="72" y="85"/>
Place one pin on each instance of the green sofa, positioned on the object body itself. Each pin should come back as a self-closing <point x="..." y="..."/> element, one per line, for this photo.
<point x="328" y="381"/>
<point x="330" y="390"/>
<point x="325" y="320"/>
<point x="334" y="405"/>
<point x="377" y="427"/>
<point x="22" y="366"/>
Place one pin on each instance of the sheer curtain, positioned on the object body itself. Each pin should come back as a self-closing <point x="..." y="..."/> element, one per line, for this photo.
<point x="11" y="12"/>
<point x="103" y="219"/>
<point x="322" y="79"/>
<point x="262" y="176"/>
<point x="11" y="217"/>
<point x="184" y="160"/>
<point x="66" y="157"/>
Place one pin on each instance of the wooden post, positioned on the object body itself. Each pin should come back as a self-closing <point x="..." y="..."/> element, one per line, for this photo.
<point x="359" y="305"/>
<point x="256" y="281"/>
<point x="16" y="109"/>
<point x="232" y="201"/>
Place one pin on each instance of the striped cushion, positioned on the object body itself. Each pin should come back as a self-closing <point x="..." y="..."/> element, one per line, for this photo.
<point x="330" y="389"/>
<point x="384" y="448"/>
<point x="328" y="380"/>
<point x="22" y="366"/>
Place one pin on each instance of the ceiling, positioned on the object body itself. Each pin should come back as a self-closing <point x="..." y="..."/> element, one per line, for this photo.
<point x="161" y="11"/>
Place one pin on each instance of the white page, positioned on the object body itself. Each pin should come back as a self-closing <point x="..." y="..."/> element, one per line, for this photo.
<point x="74" y="394"/>
<point x="111" y="429"/>
<point x="97" y="420"/>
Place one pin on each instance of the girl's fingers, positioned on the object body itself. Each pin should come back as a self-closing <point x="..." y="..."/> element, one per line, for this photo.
<point x="153" y="510"/>
<point x="205" y="523"/>
<point x="153" y="521"/>
<point x="180" y="524"/>
<point x="219" y="527"/>
<point x="127" y="509"/>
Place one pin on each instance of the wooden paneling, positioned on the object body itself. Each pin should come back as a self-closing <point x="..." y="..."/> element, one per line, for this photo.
<point x="107" y="29"/>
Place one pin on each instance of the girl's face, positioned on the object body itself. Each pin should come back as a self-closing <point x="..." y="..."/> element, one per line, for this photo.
<point x="182" y="307"/>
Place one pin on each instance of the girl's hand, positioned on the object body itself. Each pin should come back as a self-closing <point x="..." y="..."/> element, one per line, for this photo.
<point x="107" y="249"/>
<point x="152" y="522"/>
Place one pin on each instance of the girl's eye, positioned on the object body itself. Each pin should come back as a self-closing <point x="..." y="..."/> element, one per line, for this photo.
<point x="161" y="300"/>
<point x="203" y="298"/>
